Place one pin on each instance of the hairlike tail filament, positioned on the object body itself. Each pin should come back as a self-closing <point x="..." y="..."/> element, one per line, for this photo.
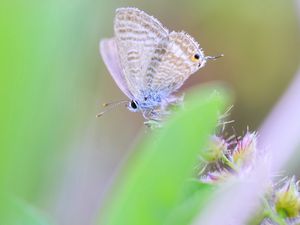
<point x="214" y="57"/>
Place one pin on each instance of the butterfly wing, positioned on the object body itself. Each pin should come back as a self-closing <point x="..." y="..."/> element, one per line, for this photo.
<point x="110" y="56"/>
<point x="137" y="36"/>
<point x="173" y="63"/>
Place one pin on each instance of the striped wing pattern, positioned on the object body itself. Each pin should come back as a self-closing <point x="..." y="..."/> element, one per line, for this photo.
<point x="173" y="63"/>
<point x="137" y="36"/>
<point x="154" y="61"/>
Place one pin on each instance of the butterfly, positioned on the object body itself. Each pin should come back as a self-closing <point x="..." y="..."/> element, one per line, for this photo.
<point x="148" y="62"/>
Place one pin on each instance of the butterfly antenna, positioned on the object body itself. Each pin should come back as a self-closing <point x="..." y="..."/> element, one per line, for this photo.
<point x="111" y="105"/>
<point x="214" y="57"/>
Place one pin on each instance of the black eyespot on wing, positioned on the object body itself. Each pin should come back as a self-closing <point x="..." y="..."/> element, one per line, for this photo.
<point x="197" y="56"/>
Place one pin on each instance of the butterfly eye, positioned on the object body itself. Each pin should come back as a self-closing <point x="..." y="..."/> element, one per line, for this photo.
<point x="133" y="104"/>
<point x="196" y="57"/>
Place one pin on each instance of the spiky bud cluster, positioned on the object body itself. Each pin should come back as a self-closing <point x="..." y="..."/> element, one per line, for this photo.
<point x="225" y="158"/>
<point x="236" y="157"/>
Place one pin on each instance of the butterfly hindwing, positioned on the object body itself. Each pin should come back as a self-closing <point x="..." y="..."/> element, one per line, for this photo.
<point x="175" y="63"/>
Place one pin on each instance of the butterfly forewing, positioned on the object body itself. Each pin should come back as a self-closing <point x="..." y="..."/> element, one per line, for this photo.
<point x="110" y="56"/>
<point x="137" y="37"/>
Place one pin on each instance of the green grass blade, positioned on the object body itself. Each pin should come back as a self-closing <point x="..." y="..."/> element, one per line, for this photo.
<point x="198" y="194"/>
<point x="153" y="183"/>
<point x="16" y="212"/>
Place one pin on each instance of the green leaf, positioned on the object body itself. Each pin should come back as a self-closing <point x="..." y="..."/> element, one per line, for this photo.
<point x="154" y="181"/>
<point x="197" y="194"/>
<point x="16" y="212"/>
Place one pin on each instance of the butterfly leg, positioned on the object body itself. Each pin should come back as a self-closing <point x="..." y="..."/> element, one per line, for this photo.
<point x="175" y="100"/>
<point x="152" y="115"/>
<point x="153" y="118"/>
<point x="153" y="124"/>
<point x="171" y="100"/>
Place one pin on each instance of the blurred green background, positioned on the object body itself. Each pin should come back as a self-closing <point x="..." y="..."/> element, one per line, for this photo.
<point x="54" y="153"/>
